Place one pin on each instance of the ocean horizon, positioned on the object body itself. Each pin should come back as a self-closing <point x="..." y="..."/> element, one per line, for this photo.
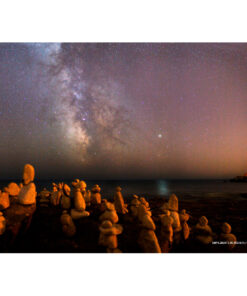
<point x="151" y="188"/>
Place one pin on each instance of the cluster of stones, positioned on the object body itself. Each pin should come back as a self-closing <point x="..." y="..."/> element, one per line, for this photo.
<point x="109" y="229"/>
<point x="24" y="193"/>
<point x="74" y="201"/>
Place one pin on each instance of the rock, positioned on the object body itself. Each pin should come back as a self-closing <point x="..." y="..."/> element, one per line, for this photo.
<point x="185" y="230"/>
<point x="54" y="187"/>
<point x="2" y="224"/>
<point x="27" y="195"/>
<point x="108" y="235"/>
<point x="13" y="189"/>
<point x="166" y="226"/>
<point x="96" y="196"/>
<point x="68" y="225"/>
<point x="143" y="210"/>
<point x="184" y="217"/>
<point x="226" y="228"/>
<point x="4" y="200"/>
<point x="134" y="196"/>
<point x="166" y="235"/>
<point x="103" y="205"/>
<point x="65" y="199"/>
<point x="176" y="222"/>
<point x="28" y="174"/>
<point x="65" y="202"/>
<point x="44" y="196"/>
<point x="80" y="206"/>
<point x="18" y="219"/>
<point x="144" y="202"/>
<point x="173" y="203"/>
<point x="227" y="236"/>
<point x="87" y="197"/>
<point x="165" y="207"/>
<point x="83" y="186"/>
<point x="75" y="183"/>
<point x="120" y="207"/>
<point x="173" y="208"/>
<point x="203" y="232"/>
<point x="134" y="204"/>
<point x="66" y="189"/>
<point x="75" y="214"/>
<point x="147" y="237"/>
<point x="56" y="194"/>
<point x="79" y="201"/>
<point x="56" y="197"/>
<point x="109" y="214"/>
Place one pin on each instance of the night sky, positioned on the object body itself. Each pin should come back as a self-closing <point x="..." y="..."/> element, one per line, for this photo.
<point x="171" y="110"/>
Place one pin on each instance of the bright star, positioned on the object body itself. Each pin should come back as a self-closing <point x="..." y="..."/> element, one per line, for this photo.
<point x="159" y="136"/>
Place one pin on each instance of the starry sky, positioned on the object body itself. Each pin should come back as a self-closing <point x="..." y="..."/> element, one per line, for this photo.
<point x="123" y="110"/>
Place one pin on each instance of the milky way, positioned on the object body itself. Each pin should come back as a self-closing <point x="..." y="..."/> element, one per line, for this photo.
<point x="123" y="110"/>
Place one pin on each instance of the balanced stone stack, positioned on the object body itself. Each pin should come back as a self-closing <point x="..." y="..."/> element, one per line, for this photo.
<point x="68" y="226"/>
<point x="27" y="195"/>
<point x="203" y="232"/>
<point x="109" y="213"/>
<point x="108" y="236"/>
<point x="227" y="237"/>
<point x="120" y="207"/>
<point x="96" y="196"/>
<point x="79" y="210"/>
<point x="147" y="237"/>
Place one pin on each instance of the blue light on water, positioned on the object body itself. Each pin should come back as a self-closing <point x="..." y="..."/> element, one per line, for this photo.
<point x="162" y="187"/>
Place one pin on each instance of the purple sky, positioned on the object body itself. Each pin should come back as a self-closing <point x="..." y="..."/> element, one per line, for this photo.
<point x="171" y="110"/>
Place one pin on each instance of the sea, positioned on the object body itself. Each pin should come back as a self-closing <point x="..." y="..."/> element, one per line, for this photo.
<point x="152" y="188"/>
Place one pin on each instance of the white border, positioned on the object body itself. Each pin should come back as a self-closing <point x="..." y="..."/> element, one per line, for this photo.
<point x="122" y="21"/>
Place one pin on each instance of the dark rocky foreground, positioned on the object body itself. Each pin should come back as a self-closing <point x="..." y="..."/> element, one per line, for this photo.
<point x="38" y="229"/>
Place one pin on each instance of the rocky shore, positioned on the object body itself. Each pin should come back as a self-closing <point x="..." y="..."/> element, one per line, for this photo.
<point x="77" y="219"/>
<point x="38" y="230"/>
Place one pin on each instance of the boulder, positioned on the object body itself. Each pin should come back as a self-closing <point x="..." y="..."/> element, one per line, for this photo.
<point x="13" y="189"/>
<point x="27" y="195"/>
<point x="4" y="200"/>
<point x="79" y="202"/>
<point x="28" y="174"/>
<point x="2" y="224"/>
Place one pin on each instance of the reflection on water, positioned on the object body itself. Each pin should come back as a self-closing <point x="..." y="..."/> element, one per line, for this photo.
<point x="162" y="187"/>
